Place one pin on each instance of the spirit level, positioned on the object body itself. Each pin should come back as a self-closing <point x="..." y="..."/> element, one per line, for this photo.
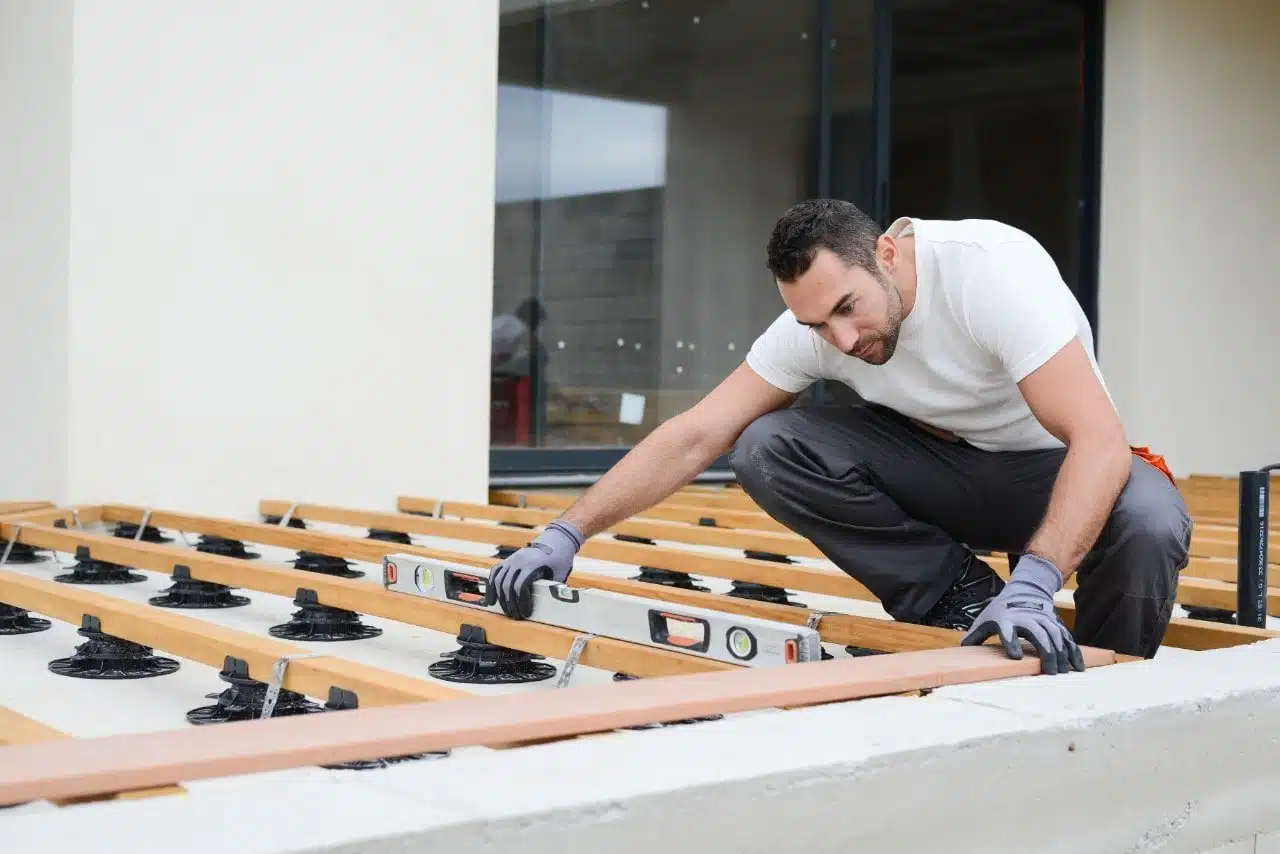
<point x="732" y="638"/>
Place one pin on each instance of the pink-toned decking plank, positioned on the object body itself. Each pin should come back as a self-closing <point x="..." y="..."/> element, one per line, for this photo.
<point x="94" y="765"/>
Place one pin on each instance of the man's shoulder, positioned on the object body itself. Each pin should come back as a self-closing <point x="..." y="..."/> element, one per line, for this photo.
<point x="786" y="353"/>
<point x="1003" y="290"/>
<point x="972" y="235"/>
<point x="785" y="331"/>
<point x="974" y="256"/>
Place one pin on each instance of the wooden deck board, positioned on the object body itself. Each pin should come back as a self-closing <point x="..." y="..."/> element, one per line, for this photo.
<point x="89" y="766"/>
<point x="20" y="729"/>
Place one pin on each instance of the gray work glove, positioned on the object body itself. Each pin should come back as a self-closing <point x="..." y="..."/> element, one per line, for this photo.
<point x="550" y="555"/>
<point x="1024" y="609"/>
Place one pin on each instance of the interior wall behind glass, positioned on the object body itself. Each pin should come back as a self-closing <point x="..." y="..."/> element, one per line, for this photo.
<point x="645" y="150"/>
<point x="986" y="116"/>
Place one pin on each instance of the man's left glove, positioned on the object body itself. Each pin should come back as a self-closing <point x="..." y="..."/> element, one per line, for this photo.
<point x="1024" y="609"/>
<point x="550" y="555"/>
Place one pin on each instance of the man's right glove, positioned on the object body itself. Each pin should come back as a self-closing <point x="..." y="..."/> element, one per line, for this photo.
<point x="1024" y="609"/>
<point x="550" y="555"/>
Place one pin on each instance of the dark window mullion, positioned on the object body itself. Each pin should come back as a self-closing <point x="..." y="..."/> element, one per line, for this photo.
<point x="537" y="371"/>
<point x="1093" y="13"/>
<point x="881" y="106"/>
<point x="826" y="65"/>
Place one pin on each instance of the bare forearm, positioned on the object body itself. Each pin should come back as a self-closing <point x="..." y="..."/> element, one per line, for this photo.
<point x="668" y="458"/>
<point x="1084" y="493"/>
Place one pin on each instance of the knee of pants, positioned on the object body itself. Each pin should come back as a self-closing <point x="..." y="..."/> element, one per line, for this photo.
<point x="1152" y="538"/>
<point x="758" y="447"/>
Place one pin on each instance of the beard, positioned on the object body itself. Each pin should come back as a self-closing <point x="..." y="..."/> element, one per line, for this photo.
<point x="883" y="344"/>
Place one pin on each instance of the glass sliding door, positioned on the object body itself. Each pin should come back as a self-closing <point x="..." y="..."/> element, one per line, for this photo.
<point x="987" y="116"/>
<point x="852" y="165"/>
<point x="644" y="151"/>
<point x="645" y="148"/>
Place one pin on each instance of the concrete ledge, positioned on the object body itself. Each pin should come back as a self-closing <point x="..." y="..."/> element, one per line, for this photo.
<point x="1173" y="755"/>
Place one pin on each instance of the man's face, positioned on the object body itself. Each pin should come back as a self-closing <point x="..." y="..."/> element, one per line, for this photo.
<point x="854" y="311"/>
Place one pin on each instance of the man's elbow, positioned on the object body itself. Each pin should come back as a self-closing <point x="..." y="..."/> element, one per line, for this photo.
<point x="692" y="437"/>
<point x="710" y="441"/>
<point x="1103" y="443"/>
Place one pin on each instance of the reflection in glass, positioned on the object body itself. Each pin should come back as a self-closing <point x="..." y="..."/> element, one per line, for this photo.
<point x="644" y="152"/>
<point x="645" y="148"/>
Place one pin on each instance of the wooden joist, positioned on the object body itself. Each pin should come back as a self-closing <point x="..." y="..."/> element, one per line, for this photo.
<point x="1228" y="523"/>
<point x="789" y="543"/>
<point x="356" y="595"/>
<point x="699" y="499"/>
<point x="1198" y="592"/>
<point x="8" y="508"/>
<point x="199" y="640"/>
<point x="1184" y="633"/>
<point x="1212" y="501"/>
<point x="835" y="628"/>
<point x="831" y="582"/>
<point x="694" y="514"/>
<point x="1206" y="496"/>
<point x="1228" y="486"/>
<point x="91" y="766"/>
<point x="1215" y="499"/>
<point x="1222" y="545"/>
<point x="1189" y="634"/>
<point x="69" y="516"/>
<point x="20" y="729"/>
<point x="1208" y="585"/>
<point x="776" y="542"/>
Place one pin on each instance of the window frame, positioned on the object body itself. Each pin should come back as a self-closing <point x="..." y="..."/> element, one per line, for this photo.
<point x="575" y="466"/>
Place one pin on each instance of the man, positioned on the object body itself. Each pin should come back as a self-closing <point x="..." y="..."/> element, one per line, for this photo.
<point x="987" y="426"/>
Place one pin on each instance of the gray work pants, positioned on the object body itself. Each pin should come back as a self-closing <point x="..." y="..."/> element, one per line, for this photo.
<point x="899" y="510"/>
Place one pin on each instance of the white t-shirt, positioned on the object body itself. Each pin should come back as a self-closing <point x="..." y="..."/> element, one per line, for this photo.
<point x="990" y="308"/>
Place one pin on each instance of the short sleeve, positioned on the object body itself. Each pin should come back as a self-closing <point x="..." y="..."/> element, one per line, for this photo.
<point x="1018" y="308"/>
<point x="785" y="355"/>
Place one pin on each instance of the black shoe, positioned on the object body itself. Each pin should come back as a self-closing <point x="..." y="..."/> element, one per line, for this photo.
<point x="964" y="601"/>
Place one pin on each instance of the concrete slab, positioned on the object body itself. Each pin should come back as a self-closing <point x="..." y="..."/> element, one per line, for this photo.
<point x="1090" y="762"/>
<point x="1171" y="755"/>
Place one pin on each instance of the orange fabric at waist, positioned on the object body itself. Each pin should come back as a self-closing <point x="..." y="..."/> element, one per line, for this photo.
<point x="1154" y="459"/>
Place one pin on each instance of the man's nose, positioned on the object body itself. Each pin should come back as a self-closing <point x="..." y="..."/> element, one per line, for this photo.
<point x="845" y="338"/>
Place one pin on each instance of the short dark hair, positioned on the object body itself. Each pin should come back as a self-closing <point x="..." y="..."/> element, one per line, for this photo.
<point x="815" y="224"/>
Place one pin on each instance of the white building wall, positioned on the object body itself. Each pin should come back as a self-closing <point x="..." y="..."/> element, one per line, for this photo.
<point x="279" y="273"/>
<point x="251" y="254"/>
<point x="1190" y="264"/>
<point x="35" y="135"/>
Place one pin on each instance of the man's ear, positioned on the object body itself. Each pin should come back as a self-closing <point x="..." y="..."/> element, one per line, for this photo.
<point x="888" y="252"/>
